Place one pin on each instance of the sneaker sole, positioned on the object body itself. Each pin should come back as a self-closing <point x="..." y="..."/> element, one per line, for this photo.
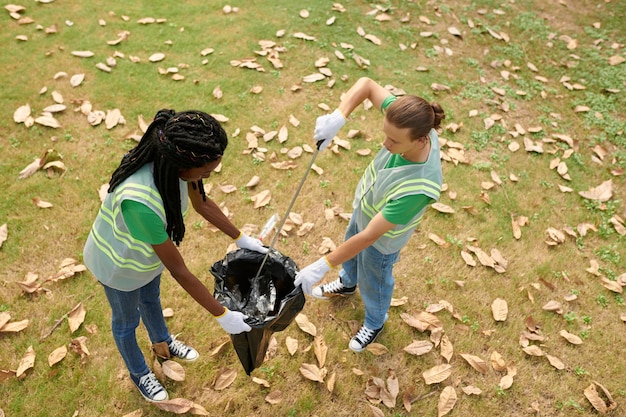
<point x="328" y="295"/>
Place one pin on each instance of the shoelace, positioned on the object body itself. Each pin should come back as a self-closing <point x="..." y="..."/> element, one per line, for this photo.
<point x="177" y="348"/>
<point x="364" y="335"/>
<point x="150" y="383"/>
<point x="332" y="287"/>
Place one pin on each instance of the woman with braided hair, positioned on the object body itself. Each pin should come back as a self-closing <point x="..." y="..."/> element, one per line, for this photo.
<point x="139" y="226"/>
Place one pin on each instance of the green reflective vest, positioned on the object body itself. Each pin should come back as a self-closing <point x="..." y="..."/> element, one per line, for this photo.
<point x="379" y="185"/>
<point x="114" y="257"/>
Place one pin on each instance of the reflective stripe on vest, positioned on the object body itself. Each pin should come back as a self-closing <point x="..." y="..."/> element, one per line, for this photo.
<point x="378" y="186"/>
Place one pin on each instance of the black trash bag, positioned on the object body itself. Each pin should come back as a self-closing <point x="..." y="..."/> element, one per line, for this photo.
<point x="271" y="301"/>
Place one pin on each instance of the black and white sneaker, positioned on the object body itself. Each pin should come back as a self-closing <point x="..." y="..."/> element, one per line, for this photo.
<point x="150" y="387"/>
<point x="181" y="350"/>
<point x="363" y="338"/>
<point x="332" y="289"/>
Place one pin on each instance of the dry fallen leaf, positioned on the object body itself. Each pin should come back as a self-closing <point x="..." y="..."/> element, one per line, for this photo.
<point x="475" y="362"/>
<point x="312" y="372"/>
<point x="225" y="377"/>
<point x="76" y="317"/>
<point x="499" y="309"/>
<point x="305" y="325"/>
<point x="419" y="347"/>
<point x="57" y="355"/>
<point x="27" y="362"/>
<point x="602" y="405"/>
<point x="447" y="401"/>
<point x="437" y="374"/>
<point x="602" y="192"/>
<point x="4" y="233"/>
<point x="173" y="370"/>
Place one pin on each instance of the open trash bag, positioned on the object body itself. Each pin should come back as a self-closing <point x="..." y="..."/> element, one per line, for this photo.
<point x="271" y="301"/>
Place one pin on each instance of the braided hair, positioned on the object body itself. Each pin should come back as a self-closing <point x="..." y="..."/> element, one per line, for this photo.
<point x="174" y="141"/>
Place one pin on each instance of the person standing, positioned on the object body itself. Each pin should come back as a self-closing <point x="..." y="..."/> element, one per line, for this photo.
<point x="395" y="190"/>
<point x="139" y="226"/>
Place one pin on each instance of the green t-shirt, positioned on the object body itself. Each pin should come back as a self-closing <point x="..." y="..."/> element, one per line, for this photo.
<point x="402" y="210"/>
<point x="143" y="223"/>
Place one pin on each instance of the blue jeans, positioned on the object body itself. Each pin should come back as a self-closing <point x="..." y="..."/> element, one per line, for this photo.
<point x="373" y="272"/>
<point x="127" y="308"/>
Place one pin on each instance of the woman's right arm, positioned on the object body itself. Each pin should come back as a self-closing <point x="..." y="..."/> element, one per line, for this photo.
<point x="363" y="88"/>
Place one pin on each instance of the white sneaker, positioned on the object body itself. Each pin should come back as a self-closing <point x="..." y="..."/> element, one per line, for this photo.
<point x="332" y="289"/>
<point x="150" y="387"/>
<point x="363" y="338"/>
<point x="182" y="351"/>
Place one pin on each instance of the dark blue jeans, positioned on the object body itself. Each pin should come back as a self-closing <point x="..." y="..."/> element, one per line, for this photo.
<point x="127" y="308"/>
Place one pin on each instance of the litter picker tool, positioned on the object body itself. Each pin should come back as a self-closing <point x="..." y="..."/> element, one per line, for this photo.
<point x="293" y="200"/>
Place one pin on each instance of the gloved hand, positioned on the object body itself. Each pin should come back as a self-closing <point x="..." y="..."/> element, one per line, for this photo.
<point x="312" y="274"/>
<point x="233" y="322"/>
<point x="327" y="126"/>
<point x="246" y="242"/>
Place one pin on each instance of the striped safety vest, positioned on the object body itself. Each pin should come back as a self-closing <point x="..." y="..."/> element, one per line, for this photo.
<point x="114" y="257"/>
<point x="379" y="185"/>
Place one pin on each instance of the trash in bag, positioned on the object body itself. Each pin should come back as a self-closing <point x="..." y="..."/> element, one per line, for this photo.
<point x="271" y="301"/>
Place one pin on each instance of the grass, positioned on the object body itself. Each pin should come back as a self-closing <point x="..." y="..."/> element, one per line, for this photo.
<point x="39" y="239"/>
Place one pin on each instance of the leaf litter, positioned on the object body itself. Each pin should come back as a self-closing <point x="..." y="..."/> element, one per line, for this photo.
<point x="455" y="155"/>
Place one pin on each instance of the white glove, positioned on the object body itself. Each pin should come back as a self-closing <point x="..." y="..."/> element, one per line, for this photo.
<point x="327" y="126"/>
<point x="233" y="322"/>
<point x="246" y="242"/>
<point x="312" y="274"/>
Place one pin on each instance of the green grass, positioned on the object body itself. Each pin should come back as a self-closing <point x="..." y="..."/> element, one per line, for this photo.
<point x="39" y="239"/>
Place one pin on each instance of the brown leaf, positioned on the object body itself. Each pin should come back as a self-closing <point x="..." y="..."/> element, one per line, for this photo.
<point x="445" y="348"/>
<point x="533" y="350"/>
<point x="376" y="412"/>
<point x="292" y="345"/>
<point x="57" y="355"/>
<point x="261" y="199"/>
<point x="437" y="374"/>
<point x="225" y="377"/>
<point x="173" y="370"/>
<point x="471" y="390"/>
<point x="475" y="362"/>
<point x="419" y="347"/>
<point x="506" y="382"/>
<point x="76" y="317"/>
<point x="377" y="349"/>
<point x="27" y="362"/>
<point x="261" y="382"/>
<point x="556" y="362"/>
<point x="468" y="258"/>
<point x="497" y="362"/>
<point x="312" y="372"/>
<point x="602" y="192"/>
<point x="305" y="325"/>
<point x="4" y="233"/>
<point x="442" y="208"/>
<point x="499" y="309"/>
<point x="602" y="405"/>
<point x="175" y="405"/>
<point x="320" y="349"/>
<point x="447" y="401"/>
<point x="274" y="397"/>
<point x="438" y="240"/>
<point x="572" y="338"/>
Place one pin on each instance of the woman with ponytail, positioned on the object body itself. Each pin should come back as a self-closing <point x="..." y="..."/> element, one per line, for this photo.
<point x="139" y="226"/>
<point x="391" y="197"/>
